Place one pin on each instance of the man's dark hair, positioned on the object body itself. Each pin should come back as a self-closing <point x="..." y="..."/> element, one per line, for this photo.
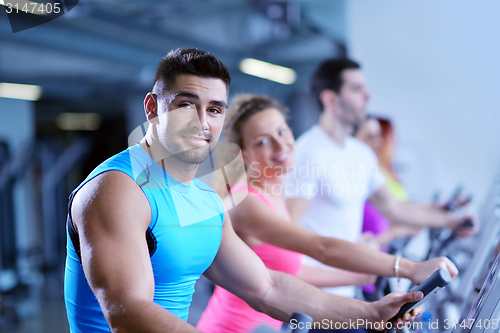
<point x="328" y="75"/>
<point x="189" y="61"/>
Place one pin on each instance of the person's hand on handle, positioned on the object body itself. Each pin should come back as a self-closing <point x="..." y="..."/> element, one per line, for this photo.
<point x="462" y="201"/>
<point x="465" y="226"/>
<point x="458" y="202"/>
<point x="422" y="270"/>
<point x="390" y="305"/>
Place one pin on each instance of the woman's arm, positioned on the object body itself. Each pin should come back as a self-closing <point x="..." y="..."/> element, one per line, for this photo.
<point x="254" y="218"/>
<point x="320" y="277"/>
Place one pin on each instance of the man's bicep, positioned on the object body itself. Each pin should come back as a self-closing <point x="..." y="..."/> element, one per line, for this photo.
<point x="111" y="215"/>
<point x="237" y="268"/>
<point x="385" y="202"/>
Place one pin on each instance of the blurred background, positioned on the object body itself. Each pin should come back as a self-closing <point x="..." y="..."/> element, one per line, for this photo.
<point x="71" y="92"/>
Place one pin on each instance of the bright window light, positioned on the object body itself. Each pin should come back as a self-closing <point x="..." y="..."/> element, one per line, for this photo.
<point x="20" y="91"/>
<point x="268" y="71"/>
<point x="78" y="121"/>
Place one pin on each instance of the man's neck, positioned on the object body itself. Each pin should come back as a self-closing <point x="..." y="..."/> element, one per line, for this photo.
<point x="179" y="170"/>
<point x="335" y="129"/>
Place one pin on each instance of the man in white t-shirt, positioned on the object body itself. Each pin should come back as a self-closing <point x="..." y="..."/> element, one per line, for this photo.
<point x="336" y="173"/>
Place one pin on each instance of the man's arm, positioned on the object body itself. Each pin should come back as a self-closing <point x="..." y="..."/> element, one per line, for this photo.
<point x="111" y="215"/>
<point x="297" y="207"/>
<point x="239" y="270"/>
<point x="409" y="213"/>
<point x="396" y="231"/>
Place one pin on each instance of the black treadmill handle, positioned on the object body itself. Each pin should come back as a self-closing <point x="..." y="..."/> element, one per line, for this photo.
<point x="452" y="259"/>
<point x="467" y="224"/>
<point x="438" y="280"/>
<point x="451" y="205"/>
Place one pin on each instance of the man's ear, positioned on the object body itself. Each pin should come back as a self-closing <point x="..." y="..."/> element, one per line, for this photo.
<point x="329" y="99"/>
<point x="151" y="107"/>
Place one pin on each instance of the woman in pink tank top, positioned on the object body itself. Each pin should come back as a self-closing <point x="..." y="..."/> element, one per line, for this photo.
<point x="258" y="125"/>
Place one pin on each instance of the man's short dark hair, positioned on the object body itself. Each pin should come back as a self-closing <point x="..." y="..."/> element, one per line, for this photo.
<point x="328" y="75"/>
<point x="189" y="61"/>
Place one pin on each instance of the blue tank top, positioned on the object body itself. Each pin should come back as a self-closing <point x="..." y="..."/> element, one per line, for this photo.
<point x="183" y="238"/>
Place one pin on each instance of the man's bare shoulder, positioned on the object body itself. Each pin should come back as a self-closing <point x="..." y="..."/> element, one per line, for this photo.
<point x="111" y="196"/>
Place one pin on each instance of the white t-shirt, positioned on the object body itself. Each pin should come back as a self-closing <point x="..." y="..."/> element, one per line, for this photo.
<point x="337" y="181"/>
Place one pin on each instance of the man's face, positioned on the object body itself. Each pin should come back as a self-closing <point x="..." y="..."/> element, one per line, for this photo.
<point x="353" y="97"/>
<point x="191" y="116"/>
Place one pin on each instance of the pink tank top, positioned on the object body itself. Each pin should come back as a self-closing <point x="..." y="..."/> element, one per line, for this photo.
<point x="227" y="313"/>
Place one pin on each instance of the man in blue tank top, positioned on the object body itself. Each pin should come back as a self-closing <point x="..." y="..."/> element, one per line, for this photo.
<point x="142" y="228"/>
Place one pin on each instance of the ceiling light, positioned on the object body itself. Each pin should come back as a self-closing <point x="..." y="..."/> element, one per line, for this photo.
<point x="268" y="71"/>
<point x="78" y="121"/>
<point x="20" y="91"/>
